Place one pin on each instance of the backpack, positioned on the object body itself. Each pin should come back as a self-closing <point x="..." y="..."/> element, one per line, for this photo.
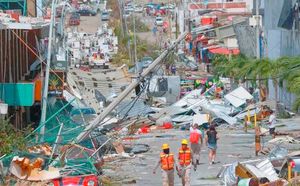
<point x="194" y="137"/>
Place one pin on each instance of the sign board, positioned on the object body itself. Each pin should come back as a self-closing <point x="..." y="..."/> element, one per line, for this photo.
<point x="56" y="83"/>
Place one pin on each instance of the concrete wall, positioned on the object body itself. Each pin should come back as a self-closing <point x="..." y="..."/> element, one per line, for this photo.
<point x="280" y="42"/>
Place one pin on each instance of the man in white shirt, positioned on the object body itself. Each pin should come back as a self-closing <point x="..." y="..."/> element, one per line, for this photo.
<point x="272" y="124"/>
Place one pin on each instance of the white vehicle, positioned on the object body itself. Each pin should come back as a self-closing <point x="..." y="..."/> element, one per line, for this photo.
<point x="159" y="21"/>
<point x="138" y="9"/>
<point x="127" y="14"/>
<point x="129" y="8"/>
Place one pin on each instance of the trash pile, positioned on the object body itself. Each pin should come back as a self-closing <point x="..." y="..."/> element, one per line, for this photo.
<point x="278" y="168"/>
<point x="230" y="109"/>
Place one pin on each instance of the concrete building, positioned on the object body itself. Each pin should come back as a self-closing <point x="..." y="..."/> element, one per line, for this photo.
<point x="18" y="61"/>
<point x="228" y="6"/>
<point x="280" y="41"/>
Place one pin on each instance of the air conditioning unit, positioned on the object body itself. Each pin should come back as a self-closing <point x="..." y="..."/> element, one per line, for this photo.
<point x="3" y="108"/>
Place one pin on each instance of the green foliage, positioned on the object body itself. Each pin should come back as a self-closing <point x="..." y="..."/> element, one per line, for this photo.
<point x="139" y="25"/>
<point x="10" y="138"/>
<point x="284" y="69"/>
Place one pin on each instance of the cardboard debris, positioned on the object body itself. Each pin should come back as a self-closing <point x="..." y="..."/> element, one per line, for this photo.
<point x="44" y="149"/>
<point x="119" y="147"/>
<point x="23" y="168"/>
<point x="242" y="171"/>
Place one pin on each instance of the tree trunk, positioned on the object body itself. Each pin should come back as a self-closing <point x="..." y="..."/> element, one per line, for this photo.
<point x="231" y="83"/>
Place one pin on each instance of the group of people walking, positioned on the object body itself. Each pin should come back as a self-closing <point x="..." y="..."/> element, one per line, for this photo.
<point x="188" y="157"/>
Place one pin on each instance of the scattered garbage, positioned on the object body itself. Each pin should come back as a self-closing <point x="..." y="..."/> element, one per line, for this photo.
<point x="31" y="170"/>
<point x="284" y="139"/>
<point x="167" y="125"/>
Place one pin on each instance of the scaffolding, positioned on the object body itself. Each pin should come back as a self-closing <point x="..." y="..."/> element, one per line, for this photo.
<point x="14" y="5"/>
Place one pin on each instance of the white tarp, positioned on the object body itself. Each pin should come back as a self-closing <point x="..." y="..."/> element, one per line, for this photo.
<point x="69" y="98"/>
<point x="238" y="97"/>
<point x="189" y="99"/>
<point x="200" y="118"/>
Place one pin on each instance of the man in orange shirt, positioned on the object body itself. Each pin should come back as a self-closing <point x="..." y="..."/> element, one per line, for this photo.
<point x="195" y="138"/>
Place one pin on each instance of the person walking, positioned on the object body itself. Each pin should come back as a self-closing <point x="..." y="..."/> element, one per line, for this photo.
<point x="185" y="163"/>
<point x="211" y="142"/>
<point x="167" y="164"/>
<point x="154" y="30"/>
<point x="272" y="124"/>
<point x="173" y="70"/>
<point x="195" y="137"/>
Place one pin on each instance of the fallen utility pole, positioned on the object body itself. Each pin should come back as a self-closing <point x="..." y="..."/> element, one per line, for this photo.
<point x="126" y="92"/>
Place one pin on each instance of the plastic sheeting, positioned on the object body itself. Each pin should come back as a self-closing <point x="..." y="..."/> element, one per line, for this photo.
<point x="229" y="177"/>
<point x="278" y="153"/>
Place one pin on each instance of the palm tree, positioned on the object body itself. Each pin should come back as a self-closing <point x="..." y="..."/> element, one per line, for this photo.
<point x="291" y="75"/>
<point x="285" y="69"/>
<point x="227" y="66"/>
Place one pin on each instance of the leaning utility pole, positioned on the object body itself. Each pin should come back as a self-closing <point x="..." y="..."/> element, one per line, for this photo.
<point x="97" y="122"/>
<point x="257" y="30"/>
<point x="121" y="17"/>
<point x="46" y="80"/>
<point x="134" y="37"/>
<point x="256" y="127"/>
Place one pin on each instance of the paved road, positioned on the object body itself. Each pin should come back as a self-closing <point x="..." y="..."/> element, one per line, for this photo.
<point x="159" y="38"/>
<point x="88" y="24"/>
<point x="233" y="145"/>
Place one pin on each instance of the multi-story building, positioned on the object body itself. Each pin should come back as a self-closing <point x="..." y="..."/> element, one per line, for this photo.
<point x="227" y="6"/>
<point x="19" y="61"/>
<point x="281" y="31"/>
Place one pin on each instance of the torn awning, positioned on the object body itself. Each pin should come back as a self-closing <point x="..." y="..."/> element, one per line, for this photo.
<point x="225" y="51"/>
<point x="238" y="97"/>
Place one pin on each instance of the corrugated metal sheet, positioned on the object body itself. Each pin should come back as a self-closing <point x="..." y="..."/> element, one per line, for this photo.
<point x="169" y="111"/>
<point x="131" y="109"/>
<point x="238" y="97"/>
<point x="266" y="167"/>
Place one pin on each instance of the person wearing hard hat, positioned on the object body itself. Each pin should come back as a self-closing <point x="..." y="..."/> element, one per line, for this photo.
<point x="167" y="164"/>
<point x="185" y="163"/>
<point x="195" y="137"/>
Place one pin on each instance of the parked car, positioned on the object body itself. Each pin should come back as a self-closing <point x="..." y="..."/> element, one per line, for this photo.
<point x="160" y="12"/>
<point x="159" y="21"/>
<point x="129" y="8"/>
<point x="138" y="9"/>
<point x="74" y="19"/>
<point x="87" y="12"/>
<point x="104" y="16"/>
